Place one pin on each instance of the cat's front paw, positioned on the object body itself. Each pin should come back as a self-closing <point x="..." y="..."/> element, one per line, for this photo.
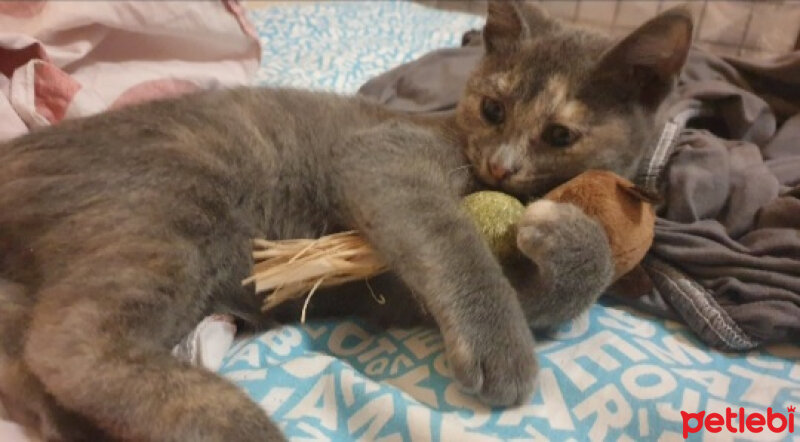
<point x="495" y="361"/>
<point x="553" y="232"/>
<point x="573" y="259"/>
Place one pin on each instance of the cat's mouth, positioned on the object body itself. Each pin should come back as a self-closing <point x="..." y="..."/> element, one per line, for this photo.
<point x="521" y="184"/>
<point x="486" y="175"/>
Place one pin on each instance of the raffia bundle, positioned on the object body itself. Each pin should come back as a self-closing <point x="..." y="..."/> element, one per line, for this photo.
<point x="292" y="268"/>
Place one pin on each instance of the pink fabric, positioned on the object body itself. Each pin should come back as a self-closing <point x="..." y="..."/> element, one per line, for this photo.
<point x="152" y="89"/>
<point x="53" y="90"/>
<point x="67" y="59"/>
<point x="22" y="8"/>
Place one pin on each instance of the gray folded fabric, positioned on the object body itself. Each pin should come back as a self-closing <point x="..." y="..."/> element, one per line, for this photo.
<point x="726" y="255"/>
<point x="731" y="221"/>
<point x="432" y="83"/>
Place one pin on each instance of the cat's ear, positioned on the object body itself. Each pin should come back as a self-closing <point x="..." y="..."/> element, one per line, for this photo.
<point x="647" y="62"/>
<point x="509" y="22"/>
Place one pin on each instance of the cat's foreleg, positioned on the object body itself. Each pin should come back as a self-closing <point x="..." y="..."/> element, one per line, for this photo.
<point x="394" y="188"/>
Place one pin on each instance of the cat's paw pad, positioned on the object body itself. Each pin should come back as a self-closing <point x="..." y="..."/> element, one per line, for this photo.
<point x="547" y="225"/>
<point x="543" y="210"/>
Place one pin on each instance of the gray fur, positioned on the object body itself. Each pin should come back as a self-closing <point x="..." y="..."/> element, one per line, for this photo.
<point x="121" y="231"/>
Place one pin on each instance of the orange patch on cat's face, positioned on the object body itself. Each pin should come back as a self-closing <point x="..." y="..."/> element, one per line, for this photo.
<point x="541" y="166"/>
<point x="522" y="128"/>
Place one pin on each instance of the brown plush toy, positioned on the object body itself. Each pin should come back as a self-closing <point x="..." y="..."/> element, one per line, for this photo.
<point x="292" y="268"/>
<point x="624" y="211"/>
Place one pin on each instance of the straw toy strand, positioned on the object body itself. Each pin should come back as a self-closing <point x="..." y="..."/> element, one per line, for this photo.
<point x="289" y="269"/>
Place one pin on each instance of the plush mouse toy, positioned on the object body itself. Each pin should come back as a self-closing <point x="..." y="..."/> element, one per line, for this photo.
<point x="291" y="268"/>
<point x="624" y="210"/>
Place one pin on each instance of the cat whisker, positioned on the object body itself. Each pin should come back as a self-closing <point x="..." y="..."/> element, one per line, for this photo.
<point x="460" y="168"/>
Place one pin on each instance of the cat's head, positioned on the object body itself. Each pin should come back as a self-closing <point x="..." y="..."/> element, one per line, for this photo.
<point x="548" y="101"/>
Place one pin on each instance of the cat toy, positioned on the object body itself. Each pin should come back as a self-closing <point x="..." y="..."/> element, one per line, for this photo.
<point x="290" y="269"/>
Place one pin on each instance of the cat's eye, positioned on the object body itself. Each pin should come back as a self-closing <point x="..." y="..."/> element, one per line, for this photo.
<point x="492" y="111"/>
<point x="558" y="135"/>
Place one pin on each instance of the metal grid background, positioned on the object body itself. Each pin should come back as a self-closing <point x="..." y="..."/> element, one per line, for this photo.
<point x="759" y="28"/>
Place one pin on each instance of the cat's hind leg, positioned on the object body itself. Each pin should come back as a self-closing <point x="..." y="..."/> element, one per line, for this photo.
<point x="23" y="396"/>
<point x="99" y="341"/>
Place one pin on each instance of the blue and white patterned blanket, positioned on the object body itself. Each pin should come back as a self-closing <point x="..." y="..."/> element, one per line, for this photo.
<point x="613" y="374"/>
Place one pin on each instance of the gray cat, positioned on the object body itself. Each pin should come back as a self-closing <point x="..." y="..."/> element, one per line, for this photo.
<point x="121" y="231"/>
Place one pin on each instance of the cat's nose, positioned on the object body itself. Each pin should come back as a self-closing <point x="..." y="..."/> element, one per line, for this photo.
<point x="501" y="172"/>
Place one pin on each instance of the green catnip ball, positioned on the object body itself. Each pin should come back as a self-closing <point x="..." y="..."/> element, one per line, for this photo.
<point x="496" y="215"/>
